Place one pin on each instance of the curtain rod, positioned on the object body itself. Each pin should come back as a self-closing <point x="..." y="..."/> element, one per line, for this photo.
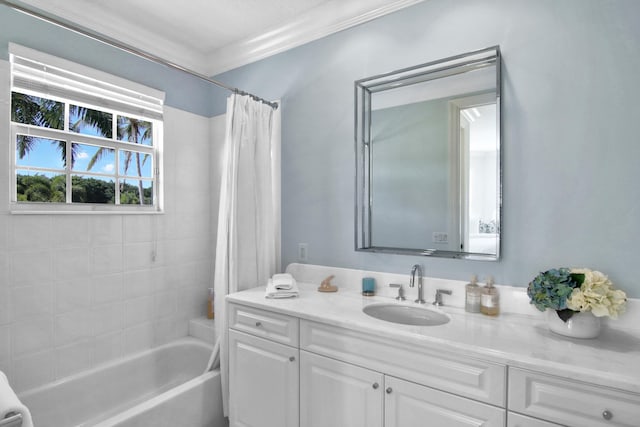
<point x="129" y="49"/>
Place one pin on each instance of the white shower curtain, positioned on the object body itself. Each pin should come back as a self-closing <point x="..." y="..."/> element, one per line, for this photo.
<point x="248" y="239"/>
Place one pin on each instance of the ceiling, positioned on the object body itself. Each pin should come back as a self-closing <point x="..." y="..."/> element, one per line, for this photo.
<point x="212" y="36"/>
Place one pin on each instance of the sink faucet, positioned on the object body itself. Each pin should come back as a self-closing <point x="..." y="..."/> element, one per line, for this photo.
<point x="417" y="268"/>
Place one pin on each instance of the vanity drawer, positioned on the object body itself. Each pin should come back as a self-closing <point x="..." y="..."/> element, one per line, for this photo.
<point x="446" y="371"/>
<point x="266" y="324"/>
<point x="571" y="403"/>
<point x="517" y="420"/>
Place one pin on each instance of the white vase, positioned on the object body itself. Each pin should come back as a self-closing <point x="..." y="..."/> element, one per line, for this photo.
<point x="580" y="325"/>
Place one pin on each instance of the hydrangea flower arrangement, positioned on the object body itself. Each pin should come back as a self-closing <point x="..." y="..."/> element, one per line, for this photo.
<point x="568" y="291"/>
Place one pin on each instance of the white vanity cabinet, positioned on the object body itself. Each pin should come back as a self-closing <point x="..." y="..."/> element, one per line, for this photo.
<point x="442" y="370"/>
<point x="339" y="394"/>
<point x="352" y="379"/>
<point x="319" y="371"/>
<point x="263" y="372"/>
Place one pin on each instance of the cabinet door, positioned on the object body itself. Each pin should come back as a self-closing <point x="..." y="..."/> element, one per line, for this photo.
<point x="263" y="382"/>
<point x="337" y="394"/>
<point x="411" y="405"/>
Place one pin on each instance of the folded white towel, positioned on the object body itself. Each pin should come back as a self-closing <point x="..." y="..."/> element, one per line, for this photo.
<point x="272" y="292"/>
<point x="283" y="281"/>
<point x="9" y="402"/>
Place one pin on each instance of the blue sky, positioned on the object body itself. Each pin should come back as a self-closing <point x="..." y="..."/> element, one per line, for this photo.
<point x="45" y="153"/>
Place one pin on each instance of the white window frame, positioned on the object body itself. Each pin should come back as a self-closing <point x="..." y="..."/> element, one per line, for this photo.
<point x="119" y="92"/>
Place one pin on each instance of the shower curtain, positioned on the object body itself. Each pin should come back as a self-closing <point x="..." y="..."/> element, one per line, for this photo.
<point x="248" y="239"/>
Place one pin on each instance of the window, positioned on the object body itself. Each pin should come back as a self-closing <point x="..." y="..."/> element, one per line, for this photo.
<point x="84" y="140"/>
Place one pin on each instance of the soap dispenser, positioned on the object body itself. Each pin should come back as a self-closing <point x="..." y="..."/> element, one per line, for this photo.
<point x="472" y="296"/>
<point x="490" y="299"/>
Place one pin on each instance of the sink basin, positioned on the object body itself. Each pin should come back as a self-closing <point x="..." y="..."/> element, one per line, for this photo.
<point x="406" y="314"/>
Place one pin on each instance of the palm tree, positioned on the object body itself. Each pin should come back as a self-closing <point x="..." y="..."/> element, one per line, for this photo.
<point x="132" y="130"/>
<point x="135" y="131"/>
<point x="33" y="110"/>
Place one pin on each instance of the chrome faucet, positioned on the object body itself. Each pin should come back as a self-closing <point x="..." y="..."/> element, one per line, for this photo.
<point x="400" y="296"/>
<point x="417" y="268"/>
<point x="438" y="300"/>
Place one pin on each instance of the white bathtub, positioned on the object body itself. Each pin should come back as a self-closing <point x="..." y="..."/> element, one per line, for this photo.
<point x="164" y="386"/>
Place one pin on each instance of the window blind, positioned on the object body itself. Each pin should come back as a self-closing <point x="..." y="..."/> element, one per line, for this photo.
<point x="45" y="75"/>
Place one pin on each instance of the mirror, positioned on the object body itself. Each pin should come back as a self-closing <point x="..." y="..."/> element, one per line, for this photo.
<point x="428" y="173"/>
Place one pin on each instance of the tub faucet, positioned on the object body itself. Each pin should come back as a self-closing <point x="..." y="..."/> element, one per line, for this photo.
<point x="417" y="268"/>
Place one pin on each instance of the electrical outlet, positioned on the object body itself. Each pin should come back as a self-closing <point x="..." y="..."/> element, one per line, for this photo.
<point x="303" y="249"/>
<point x="440" y="237"/>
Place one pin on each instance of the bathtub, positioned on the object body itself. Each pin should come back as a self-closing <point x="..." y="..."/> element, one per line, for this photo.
<point x="164" y="386"/>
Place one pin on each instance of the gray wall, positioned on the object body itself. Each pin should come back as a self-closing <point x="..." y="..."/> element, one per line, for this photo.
<point x="571" y="174"/>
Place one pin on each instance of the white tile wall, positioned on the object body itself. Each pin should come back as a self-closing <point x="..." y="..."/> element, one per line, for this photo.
<point x="72" y="326"/>
<point x="4" y="305"/>
<point x="138" y="311"/>
<point x="70" y="232"/>
<point x="31" y="336"/>
<point x="32" y="370"/>
<point x="30" y="267"/>
<point x="107" y="347"/>
<point x="29" y="301"/>
<point x="69" y="264"/>
<point x="30" y="232"/>
<point x="81" y="290"/>
<point x="108" y="318"/>
<point x="105" y="230"/>
<point x="106" y="289"/>
<point x="5" y="353"/>
<point x="73" y="358"/>
<point x="106" y="259"/>
<point x="138" y="338"/>
<point x="138" y="283"/>
<point x="72" y="295"/>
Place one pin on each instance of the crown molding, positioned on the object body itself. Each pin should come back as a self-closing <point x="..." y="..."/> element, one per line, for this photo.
<point x="329" y="18"/>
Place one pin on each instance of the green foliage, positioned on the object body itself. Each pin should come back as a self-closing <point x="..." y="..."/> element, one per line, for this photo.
<point x="40" y="188"/>
<point x="129" y="195"/>
<point x="91" y="190"/>
<point x="551" y="288"/>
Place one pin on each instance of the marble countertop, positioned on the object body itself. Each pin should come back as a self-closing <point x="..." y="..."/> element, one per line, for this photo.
<point x="518" y="340"/>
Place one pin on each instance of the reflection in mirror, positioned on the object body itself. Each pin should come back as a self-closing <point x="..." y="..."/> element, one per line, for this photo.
<point x="428" y="159"/>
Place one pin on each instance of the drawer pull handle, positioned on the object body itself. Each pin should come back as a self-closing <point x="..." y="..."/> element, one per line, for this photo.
<point x="292" y="359"/>
<point x="375" y="386"/>
<point x="258" y="324"/>
<point x="389" y="390"/>
<point x="607" y="415"/>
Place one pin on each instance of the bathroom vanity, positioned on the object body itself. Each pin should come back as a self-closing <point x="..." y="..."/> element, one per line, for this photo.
<point x="319" y="361"/>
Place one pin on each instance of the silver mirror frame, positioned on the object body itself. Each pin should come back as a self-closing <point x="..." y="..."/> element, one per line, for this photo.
<point x="364" y="88"/>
